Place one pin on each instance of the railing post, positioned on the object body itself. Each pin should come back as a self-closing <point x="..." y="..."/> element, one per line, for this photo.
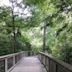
<point x="6" y="65"/>
<point x="13" y="60"/>
<point x="21" y="55"/>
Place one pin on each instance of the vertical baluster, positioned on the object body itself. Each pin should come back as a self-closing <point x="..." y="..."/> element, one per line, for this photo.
<point x="6" y="65"/>
<point x="49" y="65"/>
<point x="40" y="57"/>
<point x="13" y="60"/>
<point x="45" y="61"/>
<point x="21" y="55"/>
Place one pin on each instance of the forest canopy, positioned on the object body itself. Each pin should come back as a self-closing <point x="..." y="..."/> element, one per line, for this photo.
<point x="37" y="25"/>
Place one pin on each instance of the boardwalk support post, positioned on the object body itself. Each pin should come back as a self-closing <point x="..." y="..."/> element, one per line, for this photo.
<point x="6" y="65"/>
<point x="13" y="60"/>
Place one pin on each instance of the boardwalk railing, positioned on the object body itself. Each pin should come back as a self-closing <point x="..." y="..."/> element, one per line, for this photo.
<point x="53" y="65"/>
<point x="8" y="62"/>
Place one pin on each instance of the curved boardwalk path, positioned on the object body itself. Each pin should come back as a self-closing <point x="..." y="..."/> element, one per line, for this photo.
<point x="29" y="64"/>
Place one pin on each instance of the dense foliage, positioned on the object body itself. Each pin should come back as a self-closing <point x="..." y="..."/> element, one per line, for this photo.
<point x="56" y="15"/>
<point x="24" y="29"/>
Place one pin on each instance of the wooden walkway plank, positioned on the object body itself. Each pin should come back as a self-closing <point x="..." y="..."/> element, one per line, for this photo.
<point x="29" y="64"/>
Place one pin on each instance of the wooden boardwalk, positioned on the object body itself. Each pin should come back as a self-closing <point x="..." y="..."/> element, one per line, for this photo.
<point x="29" y="64"/>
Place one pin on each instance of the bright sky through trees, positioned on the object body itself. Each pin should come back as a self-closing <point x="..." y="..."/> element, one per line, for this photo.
<point x="4" y="2"/>
<point x="16" y="9"/>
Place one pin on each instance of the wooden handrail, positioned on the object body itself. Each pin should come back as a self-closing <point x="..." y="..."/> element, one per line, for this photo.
<point x="53" y="62"/>
<point x="10" y="55"/>
<point x="7" y="62"/>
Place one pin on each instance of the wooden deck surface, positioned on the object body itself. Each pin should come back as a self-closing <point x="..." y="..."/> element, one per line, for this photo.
<point x="29" y="64"/>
